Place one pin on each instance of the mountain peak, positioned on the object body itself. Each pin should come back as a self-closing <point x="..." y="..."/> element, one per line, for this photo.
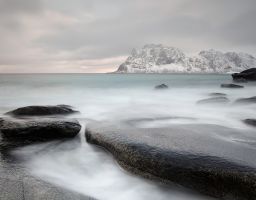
<point x="157" y="58"/>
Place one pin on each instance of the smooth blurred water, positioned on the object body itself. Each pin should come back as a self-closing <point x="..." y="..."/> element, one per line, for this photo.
<point x="116" y="97"/>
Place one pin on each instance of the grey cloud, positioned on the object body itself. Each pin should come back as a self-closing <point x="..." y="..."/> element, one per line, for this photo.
<point x="19" y="6"/>
<point x="242" y="30"/>
<point x="97" y="29"/>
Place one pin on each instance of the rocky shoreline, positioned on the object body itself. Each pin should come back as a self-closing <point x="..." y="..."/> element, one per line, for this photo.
<point x="40" y="125"/>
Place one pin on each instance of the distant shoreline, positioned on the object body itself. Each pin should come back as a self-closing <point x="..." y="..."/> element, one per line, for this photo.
<point x="173" y="73"/>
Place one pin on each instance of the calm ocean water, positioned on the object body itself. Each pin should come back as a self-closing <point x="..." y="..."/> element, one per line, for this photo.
<point x="114" y="97"/>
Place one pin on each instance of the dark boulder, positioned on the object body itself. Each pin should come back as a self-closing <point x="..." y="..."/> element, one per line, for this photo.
<point x="38" y="129"/>
<point x="200" y="157"/>
<point x="214" y="100"/>
<point x="161" y="86"/>
<point x="251" y="122"/>
<point x="249" y="74"/>
<point x="240" y="80"/>
<point x="42" y="110"/>
<point x="231" y="86"/>
<point x="249" y="100"/>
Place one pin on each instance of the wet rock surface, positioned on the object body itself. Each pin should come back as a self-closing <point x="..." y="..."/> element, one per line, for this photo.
<point x="42" y="110"/>
<point x="249" y="74"/>
<point x="200" y="157"/>
<point x="40" y="129"/>
<point x="231" y="86"/>
<point x="214" y="100"/>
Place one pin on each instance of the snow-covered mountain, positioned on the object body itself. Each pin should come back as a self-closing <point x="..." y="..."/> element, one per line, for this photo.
<point x="154" y="58"/>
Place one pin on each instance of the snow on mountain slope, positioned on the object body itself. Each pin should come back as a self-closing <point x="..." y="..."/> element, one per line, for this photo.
<point x="154" y="58"/>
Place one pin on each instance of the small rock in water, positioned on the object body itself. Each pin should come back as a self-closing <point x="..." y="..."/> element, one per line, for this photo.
<point x="161" y="86"/>
<point x="217" y="94"/>
<point x="38" y="129"/>
<point x="249" y="74"/>
<point x="214" y="100"/>
<point x="249" y="100"/>
<point x="251" y="122"/>
<point x="42" y="110"/>
<point x="231" y="86"/>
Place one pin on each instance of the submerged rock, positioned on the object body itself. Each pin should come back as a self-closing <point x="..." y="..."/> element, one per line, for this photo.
<point x="251" y="122"/>
<point x="214" y="100"/>
<point x="135" y="122"/>
<point x="200" y="157"/>
<point x="249" y="74"/>
<point x="246" y="100"/>
<point x="217" y="94"/>
<point x="38" y="129"/>
<point x="161" y="86"/>
<point x="42" y="110"/>
<point x="231" y="86"/>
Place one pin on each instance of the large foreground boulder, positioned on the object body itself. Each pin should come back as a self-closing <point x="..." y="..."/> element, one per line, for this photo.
<point x="42" y="110"/>
<point x="211" y="159"/>
<point x="249" y="74"/>
<point x="38" y="129"/>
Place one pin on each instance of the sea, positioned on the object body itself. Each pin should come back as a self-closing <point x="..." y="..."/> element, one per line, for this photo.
<point x="88" y="169"/>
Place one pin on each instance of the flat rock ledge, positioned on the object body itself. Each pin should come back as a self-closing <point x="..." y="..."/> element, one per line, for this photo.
<point x="43" y="129"/>
<point x="199" y="157"/>
<point x="42" y="110"/>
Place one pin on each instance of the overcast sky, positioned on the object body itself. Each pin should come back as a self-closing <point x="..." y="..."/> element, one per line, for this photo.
<point x="97" y="35"/>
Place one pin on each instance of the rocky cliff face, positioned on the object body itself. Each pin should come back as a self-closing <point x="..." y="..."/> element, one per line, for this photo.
<point x="154" y="58"/>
